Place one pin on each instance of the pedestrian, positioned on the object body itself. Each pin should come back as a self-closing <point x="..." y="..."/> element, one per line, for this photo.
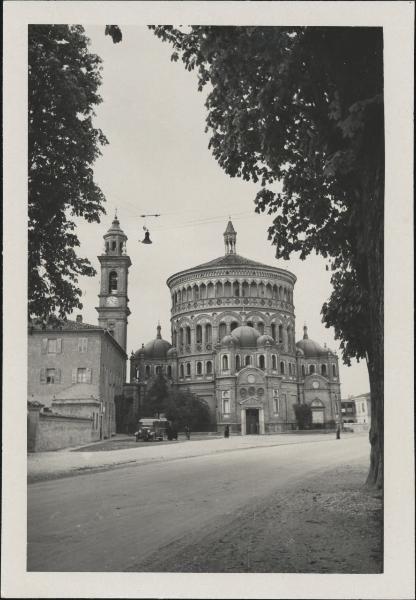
<point x="169" y="433"/>
<point x="338" y="432"/>
<point x="227" y="431"/>
<point x="188" y="432"/>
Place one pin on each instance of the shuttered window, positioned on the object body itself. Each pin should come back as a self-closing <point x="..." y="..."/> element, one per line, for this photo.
<point x="82" y="375"/>
<point x="51" y="346"/>
<point x="82" y="344"/>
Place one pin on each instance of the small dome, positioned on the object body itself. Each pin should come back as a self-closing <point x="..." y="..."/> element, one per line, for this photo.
<point x="246" y="336"/>
<point x="300" y="352"/>
<point x="265" y="339"/>
<point x="155" y="349"/>
<point x="227" y="340"/>
<point x="309" y="347"/>
<point x="115" y="229"/>
<point x="172" y="352"/>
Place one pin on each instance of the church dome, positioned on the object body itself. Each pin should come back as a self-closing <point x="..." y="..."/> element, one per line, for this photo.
<point x="265" y="339"/>
<point x="246" y="336"/>
<point x="310" y="348"/>
<point x="227" y="340"/>
<point x="157" y="348"/>
<point x="115" y="229"/>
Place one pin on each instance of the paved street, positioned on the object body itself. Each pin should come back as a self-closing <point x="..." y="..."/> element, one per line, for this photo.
<point x="114" y="520"/>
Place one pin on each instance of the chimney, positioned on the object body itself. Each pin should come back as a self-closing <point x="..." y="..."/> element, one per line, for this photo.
<point x="79" y="318"/>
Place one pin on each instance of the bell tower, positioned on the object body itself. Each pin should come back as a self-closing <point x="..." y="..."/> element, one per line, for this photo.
<point x="113" y="307"/>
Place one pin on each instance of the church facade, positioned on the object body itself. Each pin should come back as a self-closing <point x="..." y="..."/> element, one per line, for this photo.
<point x="233" y="344"/>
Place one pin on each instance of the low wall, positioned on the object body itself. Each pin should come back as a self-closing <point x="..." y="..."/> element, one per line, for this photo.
<point x="53" y="432"/>
<point x="356" y="427"/>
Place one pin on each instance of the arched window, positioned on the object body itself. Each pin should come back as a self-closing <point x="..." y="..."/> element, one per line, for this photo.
<point x="218" y="289"/>
<point x="147" y="371"/>
<point x="248" y="360"/>
<point x="198" y="334"/>
<point x="210" y="290"/>
<point x="274" y="362"/>
<point x="280" y="334"/>
<point x="282" y="367"/>
<point x="260" y="327"/>
<point x="189" y="293"/>
<point x="209" y="367"/>
<point x="236" y="288"/>
<point x="169" y="372"/>
<point x="245" y="289"/>
<point x="323" y="370"/>
<point x="222" y="330"/>
<point x="269" y="291"/>
<point x="262" y="362"/>
<point x="225" y="363"/>
<point x="237" y="362"/>
<point x="107" y="247"/>
<point x="188" y="369"/>
<point x="273" y="331"/>
<point x="199" y="368"/>
<point x="262" y="291"/>
<point x="208" y="333"/>
<point x="113" y="245"/>
<point x="181" y="339"/>
<point x="249" y="323"/>
<point x="158" y="370"/>
<point x="290" y="368"/>
<point x="311" y="369"/>
<point x="188" y="335"/>
<point x="181" y="371"/>
<point x="334" y="371"/>
<point x="227" y="289"/>
<point x="253" y="289"/>
<point x="202" y="291"/>
<point x="275" y="292"/>
<point x="234" y="325"/>
<point x="303" y="370"/>
<point x="113" y="282"/>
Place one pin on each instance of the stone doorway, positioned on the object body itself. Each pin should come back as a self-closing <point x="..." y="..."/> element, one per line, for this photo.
<point x="252" y="421"/>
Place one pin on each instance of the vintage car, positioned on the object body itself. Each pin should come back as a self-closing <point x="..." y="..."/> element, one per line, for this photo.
<point x="152" y="430"/>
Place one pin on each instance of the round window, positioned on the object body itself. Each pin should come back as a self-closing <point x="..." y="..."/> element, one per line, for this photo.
<point x="260" y="392"/>
<point x="251" y="379"/>
<point x="243" y="393"/>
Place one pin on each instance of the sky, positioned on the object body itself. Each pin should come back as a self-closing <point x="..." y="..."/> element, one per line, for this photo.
<point x="158" y="161"/>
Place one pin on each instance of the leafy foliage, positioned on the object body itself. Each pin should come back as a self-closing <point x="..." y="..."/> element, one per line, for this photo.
<point x="64" y="78"/>
<point x="179" y="406"/>
<point x="300" y="110"/>
<point x="303" y="414"/>
<point x="115" y="32"/>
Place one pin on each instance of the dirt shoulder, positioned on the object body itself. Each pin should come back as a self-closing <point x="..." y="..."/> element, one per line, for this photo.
<point x="329" y="524"/>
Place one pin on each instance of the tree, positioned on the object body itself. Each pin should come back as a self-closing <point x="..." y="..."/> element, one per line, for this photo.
<point x="156" y="396"/>
<point x="303" y="414"/>
<point x="184" y="408"/>
<point x="64" y="78"/>
<point x="300" y="110"/>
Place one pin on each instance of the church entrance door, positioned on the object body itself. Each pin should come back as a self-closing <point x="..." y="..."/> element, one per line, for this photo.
<point x="252" y="421"/>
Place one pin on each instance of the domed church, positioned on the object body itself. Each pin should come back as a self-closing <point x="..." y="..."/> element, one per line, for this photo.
<point x="233" y="344"/>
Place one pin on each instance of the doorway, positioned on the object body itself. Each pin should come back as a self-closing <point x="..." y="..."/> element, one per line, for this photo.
<point x="252" y="421"/>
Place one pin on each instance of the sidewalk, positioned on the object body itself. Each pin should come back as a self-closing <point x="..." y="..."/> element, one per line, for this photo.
<point x="63" y="463"/>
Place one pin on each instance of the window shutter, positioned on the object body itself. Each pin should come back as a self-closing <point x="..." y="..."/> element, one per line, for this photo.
<point x="59" y="345"/>
<point x="79" y="344"/>
<point x="85" y="344"/>
<point x="74" y="375"/>
<point x="44" y="345"/>
<point x="58" y="376"/>
<point x="89" y="376"/>
<point x="43" y="375"/>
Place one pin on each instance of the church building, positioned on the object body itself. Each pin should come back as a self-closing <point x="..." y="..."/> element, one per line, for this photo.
<point x="232" y="343"/>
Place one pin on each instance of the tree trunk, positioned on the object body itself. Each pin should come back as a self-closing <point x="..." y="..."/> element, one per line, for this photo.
<point x="375" y="273"/>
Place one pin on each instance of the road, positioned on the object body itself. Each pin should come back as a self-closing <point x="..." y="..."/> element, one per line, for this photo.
<point x="113" y="520"/>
